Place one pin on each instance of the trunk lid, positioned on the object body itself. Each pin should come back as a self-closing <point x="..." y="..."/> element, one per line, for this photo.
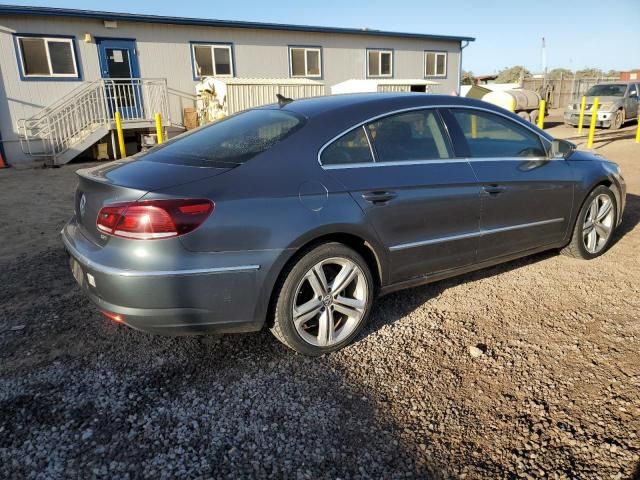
<point x="126" y="181"/>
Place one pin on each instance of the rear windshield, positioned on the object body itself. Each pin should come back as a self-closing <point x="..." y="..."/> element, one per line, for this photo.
<point x="228" y="142"/>
<point x="607" y="91"/>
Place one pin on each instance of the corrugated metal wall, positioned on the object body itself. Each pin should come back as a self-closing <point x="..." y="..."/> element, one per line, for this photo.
<point x="243" y="96"/>
<point x="164" y="52"/>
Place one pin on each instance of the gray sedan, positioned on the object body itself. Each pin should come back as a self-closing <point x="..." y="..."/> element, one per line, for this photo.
<point x="297" y="215"/>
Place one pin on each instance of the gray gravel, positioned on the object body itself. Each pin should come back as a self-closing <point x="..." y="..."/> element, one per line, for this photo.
<point x="527" y="370"/>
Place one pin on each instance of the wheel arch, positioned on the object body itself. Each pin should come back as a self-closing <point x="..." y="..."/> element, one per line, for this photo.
<point x="605" y="182"/>
<point x="367" y="248"/>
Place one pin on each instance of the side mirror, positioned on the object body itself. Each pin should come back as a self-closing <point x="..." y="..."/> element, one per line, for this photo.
<point x="561" y="148"/>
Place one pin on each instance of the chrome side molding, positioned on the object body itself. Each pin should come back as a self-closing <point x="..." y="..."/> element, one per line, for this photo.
<point x="480" y="233"/>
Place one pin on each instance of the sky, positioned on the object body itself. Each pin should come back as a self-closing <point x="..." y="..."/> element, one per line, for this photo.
<point x="579" y="34"/>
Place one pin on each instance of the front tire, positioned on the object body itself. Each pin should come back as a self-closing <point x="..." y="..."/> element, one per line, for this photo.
<point x="618" y="120"/>
<point x="324" y="300"/>
<point x="594" y="226"/>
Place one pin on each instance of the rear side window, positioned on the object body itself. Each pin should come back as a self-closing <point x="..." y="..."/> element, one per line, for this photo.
<point x="352" y="147"/>
<point x="493" y="136"/>
<point x="409" y="136"/>
<point x="229" y="142"/>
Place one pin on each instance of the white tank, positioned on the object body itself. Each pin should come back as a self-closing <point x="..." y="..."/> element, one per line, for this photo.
<point x="524" y="99"/>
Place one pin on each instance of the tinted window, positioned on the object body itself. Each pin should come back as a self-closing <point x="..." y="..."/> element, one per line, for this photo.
<point x="47" y="57"/>
<point x="409" y="136"/>
<point x="490" y="135"/>
<point x="350" y="148"/>
<point x="61" y="57"/>
<point x="231" y="141"/>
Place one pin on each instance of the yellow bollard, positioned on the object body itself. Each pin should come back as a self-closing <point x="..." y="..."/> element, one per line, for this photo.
<point x="638" y="132"/>
<point x="583" y="104"/>
<point x="543" y="106"/>
<point x="123" y="152"/>
<point x="592" y="125"/>
<point x="159" y="129"/>
<point x="474" y="126"/>
<point x="513" y="105"/>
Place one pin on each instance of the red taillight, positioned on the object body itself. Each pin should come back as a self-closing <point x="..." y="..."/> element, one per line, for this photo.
<point x="153" y="219"/>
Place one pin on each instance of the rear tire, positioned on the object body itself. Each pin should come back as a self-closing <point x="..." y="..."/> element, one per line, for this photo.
<point x="323" y="300"/>
<point x="594" y="226"/>
<point x="533" y="116"/>
<point x="524" y="116"/>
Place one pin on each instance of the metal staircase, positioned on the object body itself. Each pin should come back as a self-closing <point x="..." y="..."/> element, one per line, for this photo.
<point x="63" y="130"/>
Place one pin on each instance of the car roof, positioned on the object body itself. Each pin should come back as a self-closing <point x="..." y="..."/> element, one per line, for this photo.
<point x="314" y="106"/>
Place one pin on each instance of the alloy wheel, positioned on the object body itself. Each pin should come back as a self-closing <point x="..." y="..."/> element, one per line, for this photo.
<point x="330" y="301"/>
<point x="598" y="223"/>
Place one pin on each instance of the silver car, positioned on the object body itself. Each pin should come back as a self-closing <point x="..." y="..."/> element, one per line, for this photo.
<point x="618" y="103"/>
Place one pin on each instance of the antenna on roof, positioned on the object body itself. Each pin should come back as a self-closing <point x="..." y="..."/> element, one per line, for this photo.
<point x="282" y="100"/>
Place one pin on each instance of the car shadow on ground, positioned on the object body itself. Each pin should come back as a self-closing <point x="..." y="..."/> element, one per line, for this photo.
<point x="630" y="218"/>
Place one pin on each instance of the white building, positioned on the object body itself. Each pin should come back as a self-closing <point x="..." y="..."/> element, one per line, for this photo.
<point x="57" y="69"/>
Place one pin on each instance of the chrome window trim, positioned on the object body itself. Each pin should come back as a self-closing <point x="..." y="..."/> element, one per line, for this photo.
<point x="373" y="155"/>
<point x="340" y="166"/>
<point x="480" y="233"/>
<point x="397" y="163"/>
<point x="545" y="141"/>
<point x="150" y="273"/>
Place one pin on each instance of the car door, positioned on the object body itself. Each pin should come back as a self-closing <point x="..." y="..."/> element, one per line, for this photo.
<point x="423" y="203"/>
<point x="631" y="102"/>
<point x="526" y="197"/>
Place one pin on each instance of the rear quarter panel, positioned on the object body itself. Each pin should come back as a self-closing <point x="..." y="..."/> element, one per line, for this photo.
<point x="271" y="207"/>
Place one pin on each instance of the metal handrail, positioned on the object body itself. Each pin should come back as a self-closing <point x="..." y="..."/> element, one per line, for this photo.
<point x="70" y="120"/>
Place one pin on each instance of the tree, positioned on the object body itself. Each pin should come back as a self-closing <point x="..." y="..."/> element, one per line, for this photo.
<point x="468" y="78"/>
<point x="589" y="73"/>
<point x="558" y="73"/>
<point x="512" y="74"/>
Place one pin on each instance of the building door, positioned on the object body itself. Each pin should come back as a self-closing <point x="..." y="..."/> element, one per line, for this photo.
<point x="119" y="66"/>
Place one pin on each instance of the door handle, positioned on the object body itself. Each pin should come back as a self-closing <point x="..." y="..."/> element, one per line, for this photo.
<point x="493" y="189"/>
<point x="378" y="197"/>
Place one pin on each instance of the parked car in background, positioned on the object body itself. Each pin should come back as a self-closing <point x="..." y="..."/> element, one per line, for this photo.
<point x="298" y="215"/>
<point x="618" y="103"/>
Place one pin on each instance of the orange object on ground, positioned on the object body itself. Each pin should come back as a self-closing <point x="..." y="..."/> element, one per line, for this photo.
<point x="3" y="164"/>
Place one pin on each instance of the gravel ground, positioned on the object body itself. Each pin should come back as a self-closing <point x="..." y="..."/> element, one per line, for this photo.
<point x="530" y="369"/>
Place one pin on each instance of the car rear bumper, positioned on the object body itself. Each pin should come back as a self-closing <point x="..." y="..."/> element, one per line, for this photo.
<point x="216" y="297"/>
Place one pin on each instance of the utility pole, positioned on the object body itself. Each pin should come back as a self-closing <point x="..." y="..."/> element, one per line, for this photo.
<point x="544" y="59"/>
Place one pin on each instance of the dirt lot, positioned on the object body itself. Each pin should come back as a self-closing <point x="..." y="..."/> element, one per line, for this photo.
<point x="556" y="394"/>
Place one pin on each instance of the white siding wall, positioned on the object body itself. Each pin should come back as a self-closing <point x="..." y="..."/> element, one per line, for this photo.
<point x="164" y="52"/>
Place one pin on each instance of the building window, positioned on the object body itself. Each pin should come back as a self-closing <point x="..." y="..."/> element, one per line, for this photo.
<point x="435" y="64"/>
<point x="212" y="60"/>
<point x="47" y="57"/>
<point x="305" y="62"/>
<point x="379" y="63"/>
